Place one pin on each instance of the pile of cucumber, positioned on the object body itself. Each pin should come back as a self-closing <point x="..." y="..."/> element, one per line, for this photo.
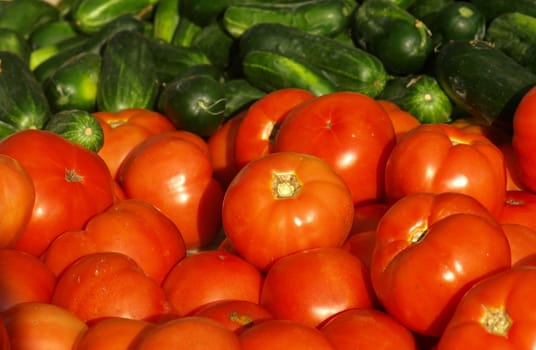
<point x="200" y="62"/>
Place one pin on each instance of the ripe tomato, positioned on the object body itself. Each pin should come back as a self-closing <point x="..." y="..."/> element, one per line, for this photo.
<point x="524" y="139"/>
<point x="173" y="171"/>
<point x="513" y="181"/>
<point x="496" y="313"/>
<point x="494" y="133"/>
<point x="365" y="328"/>
<point x="402" y="120"/>
<point x="283" y="334"/>
<point x="350" y="131"/>
<point x="23" y="277"/>
<point x="256" y="133"/>
<point x="441" y="158"/>
<point x="36" y="325"/>
<point x="17" y="197"/>
<point x="522" y="241"/>
<point x="71" y="185"/>
<point x="284" y="202"/>
<point x="109" y="284"/>
<point x="132" y="227"/>
<point x="367" y="216"/>
<point x="519" y="207"/>
<point x="192" y="333"/>
<point x="429" y="249"/>
<point x="361" y="244"/>
<point x="111" y="333"/>
<point x="125" y="129"/>
<point x="4" y="337"/>
<point x="209" y="276"/>
<point x="312" y="285"/>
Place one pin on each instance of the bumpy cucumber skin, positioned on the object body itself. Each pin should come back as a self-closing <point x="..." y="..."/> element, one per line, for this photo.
<point x="78" y="126"/>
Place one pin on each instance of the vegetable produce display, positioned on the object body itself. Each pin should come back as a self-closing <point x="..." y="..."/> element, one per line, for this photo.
<point x="267" y="174"/>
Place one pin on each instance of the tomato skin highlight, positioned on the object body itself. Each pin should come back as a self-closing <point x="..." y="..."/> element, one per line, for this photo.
<point x="524" y="139"/>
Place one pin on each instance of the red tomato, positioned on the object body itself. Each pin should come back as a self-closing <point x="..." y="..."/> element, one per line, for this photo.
<point x="350" y="131"/>
<point x="524" y="139"/>
<point x="4" y="337"/>
<point x="173" y="171"/>
<point x="441" y="158"/>
<point x="367" y="329"/>
<point x="513" y="181"/>
<point x="367" y="216"/>
<point x="71" y="185"/>
<point x="35" y="325"/>
<point x="285" y="202"/>
<point x="209" y="276"/>
<point x="109" y="284"/>
<point x="522" y="241"/>
<point x="126" y="129"/>
<point x="402" y="120"/>
<point x="17" y="197"/>
<point x="361" y="244"/>
<point x="312" y="285"/>
<point x="237" y="315"/>
<point x="112" y="333"/>
<point x="132" y="227"/>
<point x="256" y="133"/>
<point x="494" y="133"/>
<point x="283" y="334"/>
<point x="519" y="207"/>
<point x="429" y="249"/>
<point x="23" y="277"/>
<point x="192" y="333"/>
<point x="496" y="313"/>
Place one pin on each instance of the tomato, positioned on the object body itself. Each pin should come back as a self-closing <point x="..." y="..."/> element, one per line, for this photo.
<point x="109" y="284"/>
<point x="402" y="120"/>
<point x="132" y="227"/>
<point x="521" y="239"/>
<point x="173" y="171"/>
<point x="312" y="285"/>
<point x="524" y="139"/>
<point x="256" y="133"/>
<point x="285" y="202"/>
<point x="111" y="333"/>
<point x="494" y="133"/>
<point x="441" y="158"/>
<point x="283" y="334"/>
<point x="429" y="249"/>
<point x="361" y="244"/>
<point x="71" y="185"/>
<point x="513" y="181"/>
<point x="36" y="325"/>
<point x="367" y="329"/>
<point x="519" y="207"/>
<point x="209" y="276"/>
<point x="17" y="197"/>
<point x="125" y="129"/>
<point x="350" y="131"/>
<point x="367" y="216"/>
<point x="192" y="333"/>
<point x="496" y="313"/>
<point x="23" y="277"/>
<point x="4" y="337"/>
<point x="237" y="315"/>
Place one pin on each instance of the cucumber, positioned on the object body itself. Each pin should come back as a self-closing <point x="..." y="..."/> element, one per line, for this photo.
<point x="493" y="8"/>
<point x="75" y="83"/>
<point x="515" y="34"/>
<point x="52" y="33"/>
<point x="209" y="70"/>
<point x="13" y="41"/>
<point x="322" y="17"/>
<point x="482" y="80"/>
<point x="427" y="10"/>
<point x="401" y="41"/>
<point x="421" y="96"/>
<point x="216" y="43"/>
<point x="239" y="95"/>
<point x="65" y="46"/>
<point x="77" y="126"/>
<point x="203" y="12"/>
<point x="24" y="16"/>
<point x="460" y="20"/>
<point x="270" y="71"/>
<point x="185" y="32"/>
<point x="23" y="104"/>
<point x="166" y="18"/>
<point x="346" y="67"/>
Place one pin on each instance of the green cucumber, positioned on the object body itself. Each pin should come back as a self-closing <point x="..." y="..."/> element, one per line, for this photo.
<point x="75" y="83"/>
<point x="77" y="126"/>
<point x="209" y="70"/>
<point x="482" y="80"/>
<point x="13" y="41"/>
<point x="166" y="18"/>
<point x="421" y="96"/>
<point x="203" y="12"/>
<point x="23" y="104"/>
<point x="427" y="10"/>
<point x="460" y="20"/>
<point x="347" y="67"/>
<point x="270" y="71"/>
<point x="216" y="43"/>
<point x="52" y="33"/>
<point x="24" y="16"/>
<point x="401" y="41"/>
<point x="185" y="32"/>
<point x="62" y="49"/>
<point x="322" y="17"/>
<point x="239" y="95"/>
<point x="493" y="8"/>
<point x="128" y="76"/>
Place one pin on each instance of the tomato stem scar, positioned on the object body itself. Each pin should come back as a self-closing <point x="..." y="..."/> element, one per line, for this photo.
<point x="496" y="321"/>
<point x="285" y="185"/>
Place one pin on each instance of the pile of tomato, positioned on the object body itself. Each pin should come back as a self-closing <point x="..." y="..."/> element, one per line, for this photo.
<point x="304" y="222"/>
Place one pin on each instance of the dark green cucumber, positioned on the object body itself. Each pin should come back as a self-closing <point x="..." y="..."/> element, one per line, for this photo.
<point x="460" y="20"/>
<point x="239" y="95"/>
<point x="322" y="17"/>
<point x="427" y="10"/>
<point x="75" y="83"/>
<point x="216" y="43"/>
<point x="62" y="49"/>
<point x="482" y="80"/>
<point x="52" y="33"/>
<point x="203" y="12"/>
<point x="347" y="67"/>
<point x="185" y="32"/>
<point x="128" y="76"/>
<point x="270" y="71"/>
<point x="515" y="34"/>
<point x="166" y="18"/>
<point x="13" y="41"/>
<point x="421" y="96"/>
<point x="493" y="8"/>
<point x="209" y="70"/>
<point x="195" y="103"/>
<point x="24" y="16"/>
<point x="78" y="126"/>
<point x="401" y="41"/>
<point x="23" y="104"/>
